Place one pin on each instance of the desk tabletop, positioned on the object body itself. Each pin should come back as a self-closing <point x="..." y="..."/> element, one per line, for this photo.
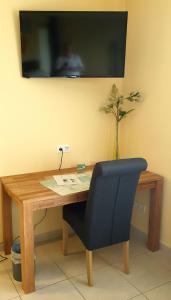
<point x="27" y="187"/>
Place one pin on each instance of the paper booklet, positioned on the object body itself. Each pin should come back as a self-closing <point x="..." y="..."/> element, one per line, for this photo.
<point x="68" y="179"/>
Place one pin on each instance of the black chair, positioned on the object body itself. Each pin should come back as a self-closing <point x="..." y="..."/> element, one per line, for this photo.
<point x="104" y="219"/>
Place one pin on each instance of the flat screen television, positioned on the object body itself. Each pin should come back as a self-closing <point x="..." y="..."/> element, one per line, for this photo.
<point x="73" y="44"/>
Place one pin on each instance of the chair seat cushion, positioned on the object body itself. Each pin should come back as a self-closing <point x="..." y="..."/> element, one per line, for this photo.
<point x="74" y="215"/>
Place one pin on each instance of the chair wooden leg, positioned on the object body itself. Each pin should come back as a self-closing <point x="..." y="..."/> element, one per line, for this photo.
<point x="126" y="256"/>
<point x="89" y="261"/>
<point x="64" y="237"/>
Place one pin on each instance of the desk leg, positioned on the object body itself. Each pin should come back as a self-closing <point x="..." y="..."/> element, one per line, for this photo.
<point x="155" y="216"/>
<point x="7" y="221"/>
<point x="27" y="247"/>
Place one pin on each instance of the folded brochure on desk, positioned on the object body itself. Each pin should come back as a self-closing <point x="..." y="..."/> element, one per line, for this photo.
<point x="67" y="179"/>
<point x="66" y="188"/>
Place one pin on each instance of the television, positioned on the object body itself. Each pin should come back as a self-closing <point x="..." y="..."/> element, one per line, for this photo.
<point x="73" y="44"/>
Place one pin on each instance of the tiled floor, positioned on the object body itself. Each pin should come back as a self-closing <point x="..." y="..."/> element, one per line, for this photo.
<point x="64" y="278"/>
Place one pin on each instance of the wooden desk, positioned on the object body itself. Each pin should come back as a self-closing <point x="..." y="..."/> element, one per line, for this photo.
<point x="30" y="196"/>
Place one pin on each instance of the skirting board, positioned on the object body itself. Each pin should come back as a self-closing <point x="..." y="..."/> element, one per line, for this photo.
<point x="57" y="235"/>
<point x="44" y="237"/>
<point x="48" y="237"/>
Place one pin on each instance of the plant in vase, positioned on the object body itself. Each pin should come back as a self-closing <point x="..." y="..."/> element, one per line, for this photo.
<point x="115" y="106"/>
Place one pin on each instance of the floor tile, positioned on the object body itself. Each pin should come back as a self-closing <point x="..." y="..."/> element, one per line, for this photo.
<point x="75" y="264"/>
<point x="54" y="249"/>
<point x="63" y="290"/>
<point x="47" y="273"/>
<point x="162" y="256"/>
<point x="47" y="250"/>
<point x="108" y="285"/>
<point x="113" y="254"/>
<point x="75" y="245"/>
<point x="7" y="289"/>
<point x="161" y="293"/>
<point x="147" y="273"/>
<point x="6" y="264"/>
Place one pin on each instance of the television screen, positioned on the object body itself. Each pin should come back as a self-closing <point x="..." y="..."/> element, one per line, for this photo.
<point x="73" y="44"/>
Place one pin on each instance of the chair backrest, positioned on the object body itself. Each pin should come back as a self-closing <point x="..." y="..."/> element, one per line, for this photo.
<point x="110" y="202"/>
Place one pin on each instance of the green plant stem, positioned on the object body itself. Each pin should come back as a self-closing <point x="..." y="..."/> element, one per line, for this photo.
<point x="116" y="141"/>
<point x="117" y="132"/>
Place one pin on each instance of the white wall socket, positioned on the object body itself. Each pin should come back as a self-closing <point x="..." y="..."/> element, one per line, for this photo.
<point x="66" y="148"/>
<point x="140" y="207"/>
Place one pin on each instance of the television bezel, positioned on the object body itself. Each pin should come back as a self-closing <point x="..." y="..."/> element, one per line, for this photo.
<point x="73" y="12"/>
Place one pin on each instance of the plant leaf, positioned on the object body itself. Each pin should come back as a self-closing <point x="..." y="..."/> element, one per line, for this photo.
<point x="123" y="113"/>
<point x="134" y="97"/>
<point x="114" y="91"/>
<point x="105" y="109"/>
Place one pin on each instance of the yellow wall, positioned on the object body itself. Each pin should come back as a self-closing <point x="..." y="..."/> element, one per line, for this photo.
<point x="39" y="114"/>
<point x="147" y="132"/>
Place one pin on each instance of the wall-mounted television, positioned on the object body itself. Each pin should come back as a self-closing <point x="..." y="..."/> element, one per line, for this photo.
<point x="73" y="44"/>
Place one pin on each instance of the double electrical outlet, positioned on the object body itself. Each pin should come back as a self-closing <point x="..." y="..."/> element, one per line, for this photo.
<point x="64" y="148"/>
